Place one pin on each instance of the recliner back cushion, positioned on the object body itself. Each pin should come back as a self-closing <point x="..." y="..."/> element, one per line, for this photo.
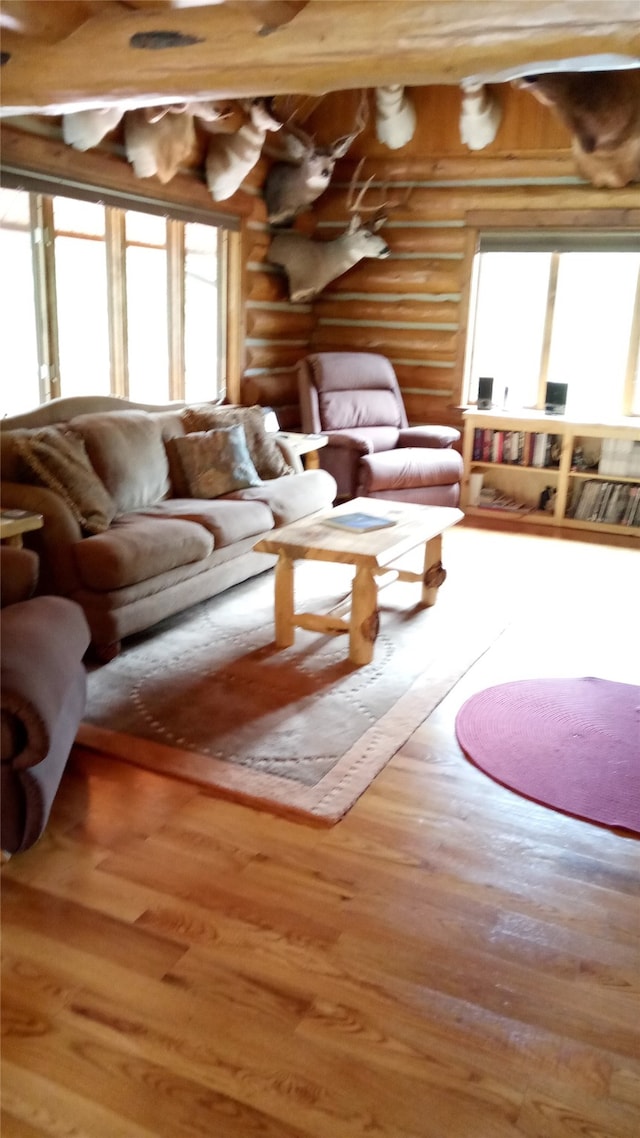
<point x="127" y="452"/>
<point x="363" y="408"/>
<point x="356" y="389"/>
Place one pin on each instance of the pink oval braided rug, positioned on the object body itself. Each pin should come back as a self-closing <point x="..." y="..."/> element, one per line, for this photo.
<point x="572" y="744"/>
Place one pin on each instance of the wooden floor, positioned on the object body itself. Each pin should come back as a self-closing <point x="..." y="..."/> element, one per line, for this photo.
<point x="449" y="961"/>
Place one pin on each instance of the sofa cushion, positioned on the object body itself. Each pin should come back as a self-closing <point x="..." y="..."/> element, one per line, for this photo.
<point x="215" y="462"/>
<point x="290" y="499"/>
<point x="127" y="451"/>
<point x="265" y="453"/>
<point x="228" y="521"/>
<point x="58" y="459"/>
<point x="136" y="548"/>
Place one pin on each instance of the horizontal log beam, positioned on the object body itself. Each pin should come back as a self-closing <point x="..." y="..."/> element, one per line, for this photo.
<point x="220" y="50"/>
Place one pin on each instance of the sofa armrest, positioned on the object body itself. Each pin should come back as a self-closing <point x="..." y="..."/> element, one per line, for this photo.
<point x="291" y="457"/>
<point x="54" y="542"/>
<point x="427" y="436"/>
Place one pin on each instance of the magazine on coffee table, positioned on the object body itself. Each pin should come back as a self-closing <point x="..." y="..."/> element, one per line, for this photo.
<point x="358" y="522"/>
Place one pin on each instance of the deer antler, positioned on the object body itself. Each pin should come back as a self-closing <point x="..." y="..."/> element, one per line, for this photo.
<point x="292" y="124"/>
<point x="357" y="206"/>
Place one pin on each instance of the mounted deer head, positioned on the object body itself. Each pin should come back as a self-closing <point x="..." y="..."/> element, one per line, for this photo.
<point x="231" y="157"/>
<point x="395" y="117"/>
<point x="291" y="189"/>
<point x="480" y="116"/>
<point x="602" y="111"/>
<point x="311" y="265"/>
<point x="158" y="139"/>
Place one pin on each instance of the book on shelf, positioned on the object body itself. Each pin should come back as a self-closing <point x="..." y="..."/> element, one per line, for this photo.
<point x="492" y="499"/>
<point x="631" y="515"/>
<point x="359" y="522"/>
<point x="518" y="448"/>
<point x="612" y="503"/>
<point x="620" y="457"/>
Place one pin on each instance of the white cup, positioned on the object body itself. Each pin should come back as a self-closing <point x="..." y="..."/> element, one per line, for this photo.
<point x="475" y="486"/>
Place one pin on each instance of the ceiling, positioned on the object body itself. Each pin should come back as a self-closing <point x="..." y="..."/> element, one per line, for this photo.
<point x="65" y="55"/>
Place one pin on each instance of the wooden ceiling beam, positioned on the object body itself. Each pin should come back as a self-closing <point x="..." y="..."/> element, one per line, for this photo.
<point x="227" y="50"/>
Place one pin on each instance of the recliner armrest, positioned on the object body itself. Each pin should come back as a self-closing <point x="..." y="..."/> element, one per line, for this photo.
<point x="349" y="441"/>
<point x="43" y="642"/>
<point x="427" y="436"/>
<point x="18" y="574"/>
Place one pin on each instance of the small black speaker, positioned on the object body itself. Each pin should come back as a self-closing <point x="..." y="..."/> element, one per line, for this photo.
<point x="556" y="398"/>
<point x="485" y="393"/>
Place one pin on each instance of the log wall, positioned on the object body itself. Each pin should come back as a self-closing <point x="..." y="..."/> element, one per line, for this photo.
<point x="412" y="307"/>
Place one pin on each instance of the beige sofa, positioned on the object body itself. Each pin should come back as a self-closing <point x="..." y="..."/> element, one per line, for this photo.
<point x="123" y="533"/>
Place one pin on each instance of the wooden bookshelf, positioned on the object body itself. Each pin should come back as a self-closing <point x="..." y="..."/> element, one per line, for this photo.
<point x="591" y="469"/>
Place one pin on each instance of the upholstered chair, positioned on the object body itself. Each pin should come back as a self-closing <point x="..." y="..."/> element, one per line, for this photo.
<point x="355" y="399"/>
<point x="43" y="693"/>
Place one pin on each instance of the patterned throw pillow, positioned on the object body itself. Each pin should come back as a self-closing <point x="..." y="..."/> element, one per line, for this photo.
<point x="216" y="462"/>
<point x="265" y="453"/>
<point x="59" y="461"/>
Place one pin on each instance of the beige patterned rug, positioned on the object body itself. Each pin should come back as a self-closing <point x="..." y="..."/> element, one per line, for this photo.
<point x="209" y="698"/>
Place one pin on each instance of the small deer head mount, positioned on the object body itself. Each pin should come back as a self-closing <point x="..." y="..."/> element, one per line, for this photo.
<point x="231" y="157"/>
<point x="395" y="117"/>
<point x="84" y="129"/>
<point x="158" y="139"/>
<point x="480" y="116"/>
<point x="292" y="186"/>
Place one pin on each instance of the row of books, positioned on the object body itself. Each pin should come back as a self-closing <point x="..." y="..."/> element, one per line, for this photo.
<point x="520" y="448"/>
<point x="620" y="456"/>
<point x="613" y="503"/>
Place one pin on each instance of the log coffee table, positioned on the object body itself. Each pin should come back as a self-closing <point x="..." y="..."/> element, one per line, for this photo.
<point x="372" y="554"/>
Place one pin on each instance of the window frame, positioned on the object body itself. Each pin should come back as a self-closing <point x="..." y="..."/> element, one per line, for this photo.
<point x="560" y="231"/>
<point x="42" y="190"/>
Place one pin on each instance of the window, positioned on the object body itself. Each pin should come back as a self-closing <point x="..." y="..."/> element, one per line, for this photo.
<point x="550" y="308"/>
<point x="98" y="300"/>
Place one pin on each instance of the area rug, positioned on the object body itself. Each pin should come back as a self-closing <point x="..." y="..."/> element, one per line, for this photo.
<point x="573" y="744"/>
<point x="208" y="697"/>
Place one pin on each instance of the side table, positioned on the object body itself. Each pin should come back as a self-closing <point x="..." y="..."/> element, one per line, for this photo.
<point x="13" y="523"/>
<point x="307" y="445"/>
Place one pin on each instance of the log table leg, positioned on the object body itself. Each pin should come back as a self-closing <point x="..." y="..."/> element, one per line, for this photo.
<point x="434" y="574"/>
<point x="363" y="625"/>
<point x="283" y="619"/>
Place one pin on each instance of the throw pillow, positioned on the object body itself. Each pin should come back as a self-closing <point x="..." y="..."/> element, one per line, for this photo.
<point x="216" y="462"/>
<point x="59" y="461"/>
<point x="265" y="453"/>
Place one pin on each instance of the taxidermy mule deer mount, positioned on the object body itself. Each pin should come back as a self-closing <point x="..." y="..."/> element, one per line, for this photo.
<point x="291" y="189"/>
<point x="231" y="157"/>
<point x="480" y="116"/>
<point x="158" y="139"/>
<point x="602" y="111"/>
<point x="395" y="117"/>
<point x="310" y="265"/>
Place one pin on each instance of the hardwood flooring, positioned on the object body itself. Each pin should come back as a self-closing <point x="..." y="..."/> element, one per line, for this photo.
<point x="449" y="961"/>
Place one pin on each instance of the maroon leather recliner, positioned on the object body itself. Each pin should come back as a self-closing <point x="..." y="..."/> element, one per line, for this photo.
<point x="355" y="399"/>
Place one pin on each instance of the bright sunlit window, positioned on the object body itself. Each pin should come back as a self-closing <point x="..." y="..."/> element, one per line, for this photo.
<point x="562" y="315"/>
<point x="99" y="300"/>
